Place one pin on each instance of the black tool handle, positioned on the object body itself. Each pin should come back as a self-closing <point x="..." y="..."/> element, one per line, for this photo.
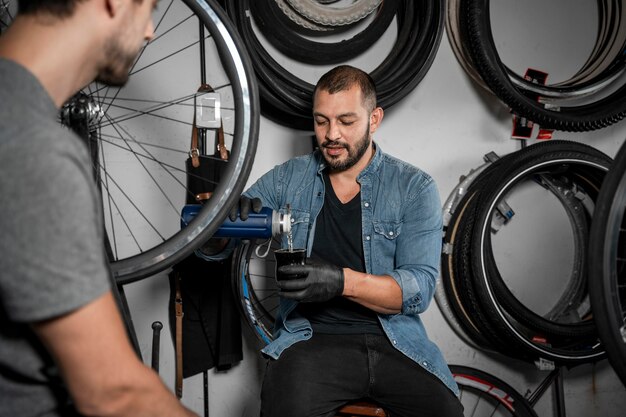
<point x="156" y="344"/>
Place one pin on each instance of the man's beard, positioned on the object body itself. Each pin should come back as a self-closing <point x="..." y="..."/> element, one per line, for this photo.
<point x="115" y="71"/>
<point x="354" y="154"/>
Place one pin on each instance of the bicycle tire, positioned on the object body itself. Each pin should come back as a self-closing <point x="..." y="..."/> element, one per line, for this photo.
<point x="495" y="331"/>
<point x="607" y="291"/>
<point x="253" y="286"/>
<point x="500" y="398"/>
<point x="158" y="148"/>
<point x="334" y="16"/>
<point x="459" y="288"/>
<point x="457" y="272"/>
<point x="575" y="289"/>
<point x="596" y="115"/>
<point x="447" y="311"/>
<point x="529" y="161"/>
<point x="270" y="20"/>
<point x="302" y="25"/>
<point x="454" y="293"/>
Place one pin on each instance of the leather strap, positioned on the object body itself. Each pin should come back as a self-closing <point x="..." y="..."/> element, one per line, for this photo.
<point x="221" y="146"/>
<point x="178" y="305"/>
<point x="203" y="196"/>
<point x="194" y="152"/>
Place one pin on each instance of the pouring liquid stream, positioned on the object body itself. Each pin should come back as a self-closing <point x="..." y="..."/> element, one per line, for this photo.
<point x="289" y="234"/>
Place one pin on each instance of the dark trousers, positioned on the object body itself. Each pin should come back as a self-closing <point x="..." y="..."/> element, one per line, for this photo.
<point x="318" y="376"/>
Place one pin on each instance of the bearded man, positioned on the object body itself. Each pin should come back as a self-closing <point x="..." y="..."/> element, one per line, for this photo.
<point x="349" y="322"/>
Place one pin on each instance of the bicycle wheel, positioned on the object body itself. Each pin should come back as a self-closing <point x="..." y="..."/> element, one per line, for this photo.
<point x="254" y="285"/>
<point x="141" y="136"/>
<point x="483" y="394"/>
<point x="606" y="262"/>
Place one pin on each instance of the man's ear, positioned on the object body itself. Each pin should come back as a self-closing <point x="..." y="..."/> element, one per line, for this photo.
<point x="375" y="118"/>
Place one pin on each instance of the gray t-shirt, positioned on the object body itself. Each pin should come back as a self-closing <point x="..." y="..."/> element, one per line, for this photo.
<point x="52" y="257"/>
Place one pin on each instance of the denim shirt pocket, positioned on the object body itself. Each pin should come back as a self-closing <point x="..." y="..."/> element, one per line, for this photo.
<point x="386" y="234"/>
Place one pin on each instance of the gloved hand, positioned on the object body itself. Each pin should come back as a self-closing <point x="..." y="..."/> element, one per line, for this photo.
<point x="244" y="206"/>
<point x="313" y="283"/>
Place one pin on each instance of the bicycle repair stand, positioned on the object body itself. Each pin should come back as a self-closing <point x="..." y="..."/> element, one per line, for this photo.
<point x="81" y="115"/>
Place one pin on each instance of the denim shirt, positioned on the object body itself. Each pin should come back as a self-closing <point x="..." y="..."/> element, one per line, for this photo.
<point x="402" y="226"/>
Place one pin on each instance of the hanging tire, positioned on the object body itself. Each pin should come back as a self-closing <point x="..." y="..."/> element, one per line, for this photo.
<point x="607" y="109"/>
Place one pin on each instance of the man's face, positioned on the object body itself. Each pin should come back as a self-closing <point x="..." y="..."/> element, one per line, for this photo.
<point x="342" y="127"/>
<point x="121" y="50"/>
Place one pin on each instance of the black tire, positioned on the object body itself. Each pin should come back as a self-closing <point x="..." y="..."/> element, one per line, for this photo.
<point x="595" y="115"/>
<point x="447" y="295"/>
<point x="483" y="394"/>
<point x="457" y="272"/>
<point x="452" y="285"/>
<point x="458" y="285"/>
<point x="494" y="330"/>
<point x="576" y="159"/>
<point x="576" y="289"/>
<point x="606" y="263"/>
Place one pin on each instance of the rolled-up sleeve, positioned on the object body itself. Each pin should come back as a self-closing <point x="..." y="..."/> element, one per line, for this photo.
<point x="418" y="249"/>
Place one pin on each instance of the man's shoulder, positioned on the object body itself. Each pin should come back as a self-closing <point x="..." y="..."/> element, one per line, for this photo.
<point x="17" y="80"/>
<point x="401" y="169"/>
<point x="37" y="134"/>
<point x="27" y="113"/>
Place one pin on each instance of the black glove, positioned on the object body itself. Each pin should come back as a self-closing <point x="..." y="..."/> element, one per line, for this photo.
<point x="244" y="206"/>
<point x="313" y="283"/>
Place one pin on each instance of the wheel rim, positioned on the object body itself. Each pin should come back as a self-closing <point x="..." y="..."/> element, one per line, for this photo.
<point x="142" y="135"/>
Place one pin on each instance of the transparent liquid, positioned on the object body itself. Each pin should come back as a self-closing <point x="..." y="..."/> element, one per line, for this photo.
<point x="289" y="234"/>
<point x="290" y="241"/>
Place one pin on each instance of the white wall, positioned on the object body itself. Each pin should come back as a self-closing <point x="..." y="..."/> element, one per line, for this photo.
<point x="444" y="126"/>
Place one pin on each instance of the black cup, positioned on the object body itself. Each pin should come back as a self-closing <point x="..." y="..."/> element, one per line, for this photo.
<point x="287" y="257"/>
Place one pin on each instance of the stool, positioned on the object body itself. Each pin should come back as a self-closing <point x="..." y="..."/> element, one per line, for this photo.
<point x="361" y="408"/>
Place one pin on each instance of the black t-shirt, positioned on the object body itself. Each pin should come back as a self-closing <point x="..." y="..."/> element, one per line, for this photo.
<point x="337" y="241"/>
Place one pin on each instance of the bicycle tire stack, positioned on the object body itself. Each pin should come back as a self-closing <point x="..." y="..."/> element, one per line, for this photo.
<point x="472" y="295"/>
<point x="286" y="99"/>
<point x="593" y="98"/>
<point x="485" y="309"/>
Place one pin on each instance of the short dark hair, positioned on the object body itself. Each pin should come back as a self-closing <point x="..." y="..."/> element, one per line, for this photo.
<point x="343" y="78"/>
<point x="57" y="8"/>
